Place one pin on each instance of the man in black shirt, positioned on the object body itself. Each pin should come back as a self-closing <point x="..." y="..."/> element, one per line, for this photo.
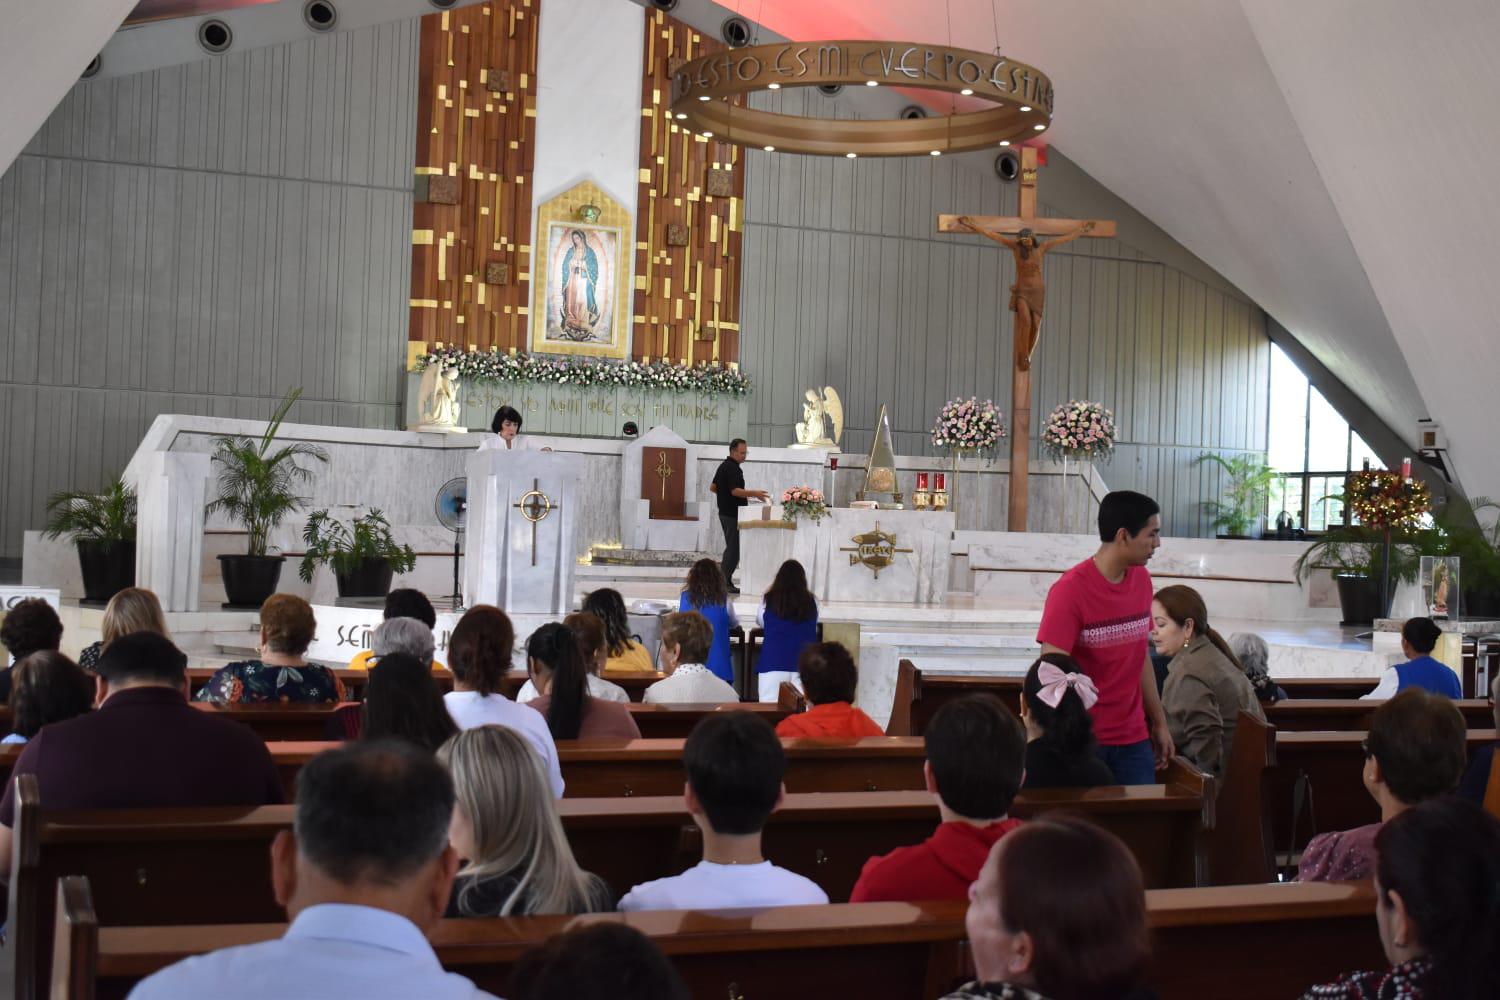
<point x="729" y="487"/>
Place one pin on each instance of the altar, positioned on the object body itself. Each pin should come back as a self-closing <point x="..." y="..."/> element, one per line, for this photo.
<point x="883" y="556"/>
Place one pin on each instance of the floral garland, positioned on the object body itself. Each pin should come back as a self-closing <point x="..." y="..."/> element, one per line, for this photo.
<point x="1079" y="429"/>
<point x="803" y="501"/>
<point x="1383" y="499"/>
<point x="968" y="425"/>
<point x="488" y="367"/>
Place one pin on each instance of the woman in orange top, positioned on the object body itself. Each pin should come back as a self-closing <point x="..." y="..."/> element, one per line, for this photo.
<point x="828" y="679"/>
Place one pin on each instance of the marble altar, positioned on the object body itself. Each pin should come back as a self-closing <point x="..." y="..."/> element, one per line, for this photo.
<point x="521" y="529"/>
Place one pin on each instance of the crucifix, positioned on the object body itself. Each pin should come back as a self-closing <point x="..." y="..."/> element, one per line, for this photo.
<point x="1021" y="235"/>
<point x="663" y="472"/>
<point x="534" y="506"/>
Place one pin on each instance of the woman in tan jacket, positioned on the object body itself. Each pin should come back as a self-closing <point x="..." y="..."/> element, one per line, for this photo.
<point x="1205" y="689"/>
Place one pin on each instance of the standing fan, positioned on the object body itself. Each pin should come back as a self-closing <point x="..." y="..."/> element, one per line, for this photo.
<point x="452" y="502"/>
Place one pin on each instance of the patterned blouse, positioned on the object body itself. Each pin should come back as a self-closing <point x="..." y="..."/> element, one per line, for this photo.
<point x="993" y="991"/>
<point x="89" y="658"/>
<point x="1399" y="982"/>
<point x="251" y="682"/>
<point x="1340" y="856"/>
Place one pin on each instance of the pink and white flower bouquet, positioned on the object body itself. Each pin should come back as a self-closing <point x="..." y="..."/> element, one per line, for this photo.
<point x="1079" y="429"/>
<point x="968" y="425"/>
<point x="803" y="501"/>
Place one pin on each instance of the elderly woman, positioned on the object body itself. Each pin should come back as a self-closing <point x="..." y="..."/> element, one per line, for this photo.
<point x="1255" y="657"/>
<point x="403" y="635"/>
<point x="280" y="673"/>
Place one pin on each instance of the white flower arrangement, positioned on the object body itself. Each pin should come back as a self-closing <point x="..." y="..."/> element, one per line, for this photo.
<point x="803" y="501"/>
<point x="489" y="367"/>
<point x="968" y="425"/>
<point x="1079" y="429"/>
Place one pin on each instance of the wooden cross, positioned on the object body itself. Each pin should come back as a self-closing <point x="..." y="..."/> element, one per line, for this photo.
<point x="1021" y="235"/>
<point x="663" y="472"/>
<point x="534" y="506"/>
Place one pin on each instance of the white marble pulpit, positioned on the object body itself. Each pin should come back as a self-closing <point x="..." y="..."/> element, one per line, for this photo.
<point x="520" y="531"/>
<point x="870" y="556"/>
<point x="171" y="491"/>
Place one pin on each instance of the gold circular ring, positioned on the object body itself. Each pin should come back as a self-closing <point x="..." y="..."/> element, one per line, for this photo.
<point x="535" y="505"/>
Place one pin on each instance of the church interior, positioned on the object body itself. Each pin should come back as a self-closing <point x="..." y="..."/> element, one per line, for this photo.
<point x="964" y="397"/>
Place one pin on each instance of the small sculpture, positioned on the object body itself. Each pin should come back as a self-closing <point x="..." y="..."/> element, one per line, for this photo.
<point x="811" y="430"/>
<point x="438" y="401"/>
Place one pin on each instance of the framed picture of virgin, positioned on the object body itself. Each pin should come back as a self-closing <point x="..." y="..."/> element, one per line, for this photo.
<point x="583" y="273"/>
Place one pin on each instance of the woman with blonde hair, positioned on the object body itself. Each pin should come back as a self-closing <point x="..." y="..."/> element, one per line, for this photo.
<point x="131" y="610"/>
<point x="505" y="827"/>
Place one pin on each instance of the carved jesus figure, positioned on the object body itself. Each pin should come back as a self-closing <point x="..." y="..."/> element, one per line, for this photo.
<point x="1026" y="295"/>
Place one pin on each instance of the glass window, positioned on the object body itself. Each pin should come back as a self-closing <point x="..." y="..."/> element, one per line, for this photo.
<point x="1327" y="437"/>
<point x="1288" y="430"/>
<point x="1360" y="453"/>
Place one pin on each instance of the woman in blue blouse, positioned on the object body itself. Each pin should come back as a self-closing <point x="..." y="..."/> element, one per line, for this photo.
<point x="789" y="614"/>
<point x="707" y="594"/>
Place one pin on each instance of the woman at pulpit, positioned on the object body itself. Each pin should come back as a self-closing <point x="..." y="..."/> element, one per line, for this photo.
<point x="708" y="594"/>
<point x="507" y="437"/>
<point x="789" y="615"/>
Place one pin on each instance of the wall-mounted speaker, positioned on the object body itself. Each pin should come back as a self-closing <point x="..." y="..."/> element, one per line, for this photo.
<point x="666" y="5"/>
<point x="735" y="31"/>
<point x="214" y="35"/>
<point x="1007" y="166"/>
<point x="830" y="89"/>
<point x="92" y="69"/>
<point x="912" y="112"/>
<point x="320" y="15"/>
<point x="442" y="4"/>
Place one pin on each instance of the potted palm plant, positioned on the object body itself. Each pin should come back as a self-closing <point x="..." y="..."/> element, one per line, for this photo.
<point x="257" y="487"/>
<point x="1355" y="555"/>
<point x="1238" y="514"/>
<point x="102" y="527"/>
<point x="363" y="554"/>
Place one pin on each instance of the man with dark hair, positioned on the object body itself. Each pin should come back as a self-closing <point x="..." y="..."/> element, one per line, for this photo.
<point x="734" y="768"/>
<point x="829" y="680"/>
<point x="403" y="602"/>
<point x="729" y="489"/>
<point x="1419" y="637"/>
<point x="976" y="754"/>
<point x="145" y="746"/>
<point x="32" y="626"/>
<point x="364" y="874"/>
<point x="1099" y="613"/>
<point x="596" y="962"/>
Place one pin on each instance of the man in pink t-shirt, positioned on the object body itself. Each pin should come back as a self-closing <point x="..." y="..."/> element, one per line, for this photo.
<point x="1099" y="613"/>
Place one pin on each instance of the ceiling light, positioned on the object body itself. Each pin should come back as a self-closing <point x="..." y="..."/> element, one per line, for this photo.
<point x="967" y="92"/>
<point x="872" y="83"/>
<point x="937" y="152"/>
<point x="1005" y="142"/>
<point x="769" y="149"/>
<point x="850" y="155"/>
<point x="773" y="86"/>
<point x="681" y="115"/>
<point x="708" y="135"/>
<point x="1025" y="107"/>
<point x="704" y="97"/>
<point x="1039" y="128"/>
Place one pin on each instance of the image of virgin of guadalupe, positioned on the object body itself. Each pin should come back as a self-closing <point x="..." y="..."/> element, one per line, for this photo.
<point x="580" y="279"/>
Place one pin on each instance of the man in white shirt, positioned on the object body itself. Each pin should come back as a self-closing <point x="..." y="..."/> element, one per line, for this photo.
<point x="734" y="768"/>
<point x="363" y="874"/>
<point x="686" y="637"/>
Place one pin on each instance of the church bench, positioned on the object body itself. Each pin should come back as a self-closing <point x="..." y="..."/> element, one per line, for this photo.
<point x="1229" y="943"/>
<point x="1327" y="687"/>
<point x="1350" y="714"/>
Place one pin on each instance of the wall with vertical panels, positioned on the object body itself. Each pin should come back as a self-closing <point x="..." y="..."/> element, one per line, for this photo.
<point x="196" y="240"/>
<point x="848" y="284"/>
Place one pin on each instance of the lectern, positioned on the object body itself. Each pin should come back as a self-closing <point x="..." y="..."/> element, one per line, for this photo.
<point x="520" y="539"/>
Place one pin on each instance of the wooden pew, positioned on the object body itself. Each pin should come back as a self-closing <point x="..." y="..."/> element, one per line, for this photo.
<point x="1327" y="687"/>
<point x="1232" y="943"/>
<point x="354" y="681"/>
<point x="1340" y="715"/>
<point x="1240" y="845"/>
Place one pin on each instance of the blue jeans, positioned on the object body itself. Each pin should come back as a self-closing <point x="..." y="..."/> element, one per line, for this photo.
<point x="1132" y="764"/>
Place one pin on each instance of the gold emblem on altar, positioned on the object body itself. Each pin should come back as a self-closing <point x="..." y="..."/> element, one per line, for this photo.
<point x="874" y="548"/>
<point x="534" y="506"/>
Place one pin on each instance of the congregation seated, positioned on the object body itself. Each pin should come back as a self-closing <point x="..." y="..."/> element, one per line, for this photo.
<point x="1206" y="689"/>
<point x="363" y="874"/>
<point x="281" y="673"/>
<point x="789" y="615"/>
<point x="624" y="653"/>
<point x="707" y="593"/>
<point x="402" y="701"/>
<point x="1058" y="913"/>
<point x="403" y="602"/>
<point x="1414" y="752"/>
<point x="735" y="765"/>
<point x="589" y="631"/>
<point x="1254" y="656"/>
<point x="975" y="758"/>
<point x="133" y="609"/>
<point x="596" y="962"/>
<point x="145" y="746"/>
<point x="479" y="651"/>
<point x="1481" y="780"/>
<point x="686" y="638"/>
<point x="1437" y="907"/>
<point x="829" y="679"/>
<point x="506" y="832"/>
<point x="1060" y="752"/>
<point x="46" y="687"/>
<point x="31" y="626"/>
<point x="556" y="664"/>
<point x="1419" y="637"/>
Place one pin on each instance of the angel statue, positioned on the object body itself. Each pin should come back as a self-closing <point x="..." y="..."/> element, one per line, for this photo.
<point x="580" y="280"/>
<point x="811" y="431"/>
<point x="438" y="400"/>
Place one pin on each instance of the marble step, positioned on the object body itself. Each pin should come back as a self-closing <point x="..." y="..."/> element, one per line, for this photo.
<point x="608" y="556"/>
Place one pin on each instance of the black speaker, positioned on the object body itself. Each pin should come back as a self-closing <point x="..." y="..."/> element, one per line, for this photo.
<point x="214" y="35"/>
<point x="735" y="31"/>
<point x="912" y="112"/>
<point x="1007" y="166"/>
<point x="666" y="5"/>
<point x="92" y="69"/>
<point x="320" y="15"/>
<point x="442" y="4"/>
<point x="830" y="89"/>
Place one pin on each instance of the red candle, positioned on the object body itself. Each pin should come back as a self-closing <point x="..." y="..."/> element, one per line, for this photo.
<point x="921" y="480"/>
<point x="1406" y="468"/>
<point x="939" y="480"/>
<point x="833" y="463"/>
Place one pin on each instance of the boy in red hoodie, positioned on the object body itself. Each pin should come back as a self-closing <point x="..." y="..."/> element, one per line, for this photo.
<point x="829" y="678"/>
<point x="976" y="751"/>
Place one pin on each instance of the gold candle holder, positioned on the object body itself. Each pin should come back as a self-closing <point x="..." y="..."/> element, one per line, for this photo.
<point x="939" y="499"/>
<point x="920" y="499"/>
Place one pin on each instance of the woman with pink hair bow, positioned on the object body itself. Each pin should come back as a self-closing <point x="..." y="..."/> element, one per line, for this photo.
<point x="1055" y="702"/>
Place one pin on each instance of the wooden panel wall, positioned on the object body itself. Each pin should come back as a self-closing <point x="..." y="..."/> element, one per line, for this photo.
<point x="687" y="298"/>
<point x="476" y="126"/>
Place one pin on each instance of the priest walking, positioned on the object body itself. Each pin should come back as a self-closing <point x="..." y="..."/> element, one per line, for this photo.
<point x="729" y="488"/>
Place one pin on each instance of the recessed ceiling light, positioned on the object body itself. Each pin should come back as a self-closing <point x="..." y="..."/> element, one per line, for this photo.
<point x="872" y="83"/>
<point x="967" y="92"/>
<point x="773" y="86"/>
<point x="1040" y="128"/>
<point x="1005" y="142"/>
<point x="708" y="135"/>
<point x="850" y="156"/>
<point x="769" y="149"/>
<point x="681" y="115"/>
<point x="937" y="152"/>
<point x="1025" y="107"/>
<point x="704" y="97"/>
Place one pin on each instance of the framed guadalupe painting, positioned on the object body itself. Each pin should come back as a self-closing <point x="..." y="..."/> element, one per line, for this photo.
<point x="583" y="268"/>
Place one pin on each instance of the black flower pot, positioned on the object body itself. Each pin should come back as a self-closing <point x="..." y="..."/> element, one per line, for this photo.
<point x="1359" y="599"/>
<point x="1481" y="602"/>
<point x="249" y="580"/>
<point x="370" y="578"/>
<point x="108" y="568"/>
